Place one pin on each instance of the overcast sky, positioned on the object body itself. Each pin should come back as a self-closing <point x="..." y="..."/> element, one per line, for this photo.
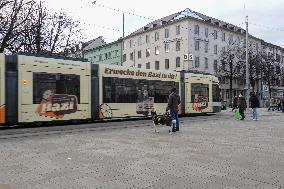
<point x="266" y="17"/>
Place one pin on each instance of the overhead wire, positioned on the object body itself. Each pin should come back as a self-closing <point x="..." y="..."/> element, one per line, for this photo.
<point x="119" y="10"/>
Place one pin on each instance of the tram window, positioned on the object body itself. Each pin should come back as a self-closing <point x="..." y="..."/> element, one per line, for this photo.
<point x="199" y="90"/>
<point x="57" y="83"/>
<point x="121" y="90"/>
<point x="216" y="93"/>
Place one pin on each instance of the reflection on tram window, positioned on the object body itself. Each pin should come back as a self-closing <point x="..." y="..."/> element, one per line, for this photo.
<point x="199" y="90"/>
<point x="216" y="93"/>
<point x="56" y="83"/>
<point x="127" y="90"/>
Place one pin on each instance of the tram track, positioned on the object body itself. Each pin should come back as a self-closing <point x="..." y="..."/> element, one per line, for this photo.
<point x="23" y="133"/>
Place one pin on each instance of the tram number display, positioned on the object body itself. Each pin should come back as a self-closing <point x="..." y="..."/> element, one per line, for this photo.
<point x="57" y="105"/>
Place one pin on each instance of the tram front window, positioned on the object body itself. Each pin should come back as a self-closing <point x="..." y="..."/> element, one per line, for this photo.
<point x="199" y="90"/>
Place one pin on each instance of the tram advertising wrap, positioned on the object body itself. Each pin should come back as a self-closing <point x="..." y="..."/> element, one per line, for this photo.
<point x="131" y="92"/>
<point x="53" y="89"/>
<point x="2" y="90"/>
<point x="37" y="89"/>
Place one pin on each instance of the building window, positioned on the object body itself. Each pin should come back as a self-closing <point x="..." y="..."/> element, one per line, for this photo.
<point x="206" y="32"/>
<point x="147" y="39"/>
<point x="223" y="36"/>
<point x="215" y="66"/>
<point x="206" y="47"/>
<point x="215" y="49"/>
<point x="177" y="29"/>
<point x="215" y="34"/>
<point x="148" y="65"/>
<point x="100" y="57"/>
<point x="123" y="45"/>
<point x="167" y="64"/>
<point x="156" y="36"/>
<point x="230" y="39"/>
<point x="197" y="45"/>
<point x="139" y="54"/>
<point x="139" y="65"/>
<point x="197" y="62"/>
<point x="177" y="62"/>
<point x="167" y="33"/>
<point x="139" y="41"/>
<point x="109" y="55"/>
<point x="116" y="53"/>
<point x="157" y="50"/>
<point x="178" y="46"/>
<point x="124" y="58"/>
<point x="130" y="43"/>
<point x="131" y="56"/>
<point x="106" y="57"/>
<point x="223" y="49"/>
<point x="157" y="65"/>
<point x="147" y="52"/>
<point x="167" y="47"/>
<point x="196" y="30"/>
<point x="206" y="63"/>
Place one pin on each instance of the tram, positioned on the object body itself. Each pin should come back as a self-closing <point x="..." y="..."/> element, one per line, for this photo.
<point x="50" y="89"/>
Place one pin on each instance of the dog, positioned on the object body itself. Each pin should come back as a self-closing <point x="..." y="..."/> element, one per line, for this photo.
<point x="162" y="120"/>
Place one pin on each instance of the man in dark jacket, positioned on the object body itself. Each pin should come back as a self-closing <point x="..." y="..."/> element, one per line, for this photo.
<point x="235" y="103"/>
<point x="242" y="106"/>
<point x="283" y="104"/>
<point x="174" y="101"/>
<point x="254" y="103"/>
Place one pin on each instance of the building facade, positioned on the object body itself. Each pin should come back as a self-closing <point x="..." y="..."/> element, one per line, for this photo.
<point x="186" y="40"/>
<point x="104" y="53"/>
<point x="277" y="55"/>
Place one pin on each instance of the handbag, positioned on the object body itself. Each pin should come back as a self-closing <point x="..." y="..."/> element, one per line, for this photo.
<point x="237" y="114"/>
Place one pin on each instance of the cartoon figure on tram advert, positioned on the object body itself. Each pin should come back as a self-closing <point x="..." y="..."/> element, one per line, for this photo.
<point x="145" y="103"/>
<point x="200" y="103"/>
<point x="57" y="105"/>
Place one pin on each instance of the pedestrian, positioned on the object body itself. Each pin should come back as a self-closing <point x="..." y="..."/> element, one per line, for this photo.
<point x="283" y="104"/>
<point x="254" y="104"/>
<point x="271" y="101"/>
<point x="242" y="106"/>
<point x="174" y="101"/>
<point x="235" y="103"/>
<point x="279" y="105"/>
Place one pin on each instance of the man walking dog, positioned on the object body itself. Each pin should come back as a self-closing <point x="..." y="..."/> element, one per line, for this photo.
<point x="174" y="101"/>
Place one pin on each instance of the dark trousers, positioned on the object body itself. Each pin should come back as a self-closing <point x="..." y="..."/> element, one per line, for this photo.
<point x="242" y="113"/>
<point x="174" y="115"/>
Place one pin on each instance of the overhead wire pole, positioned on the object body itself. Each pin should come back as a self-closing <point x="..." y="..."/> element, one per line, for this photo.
<point x="123" y="25"/>
<point x="247" y="66"/>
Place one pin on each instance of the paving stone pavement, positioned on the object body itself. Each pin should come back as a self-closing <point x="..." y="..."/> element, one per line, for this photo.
<point x="208" y="152"/>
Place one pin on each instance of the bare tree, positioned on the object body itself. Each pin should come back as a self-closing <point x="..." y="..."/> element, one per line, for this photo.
<point x="254" y="62"/>
<point x="63" y="32"/>
<point x="268" y="71"/>
<point x="30" y="27"/>
<point x="232" y="65"/>
<point x="14" y="16"/>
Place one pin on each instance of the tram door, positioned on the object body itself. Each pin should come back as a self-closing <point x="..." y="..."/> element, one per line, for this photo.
<point x="2" y="89"/>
